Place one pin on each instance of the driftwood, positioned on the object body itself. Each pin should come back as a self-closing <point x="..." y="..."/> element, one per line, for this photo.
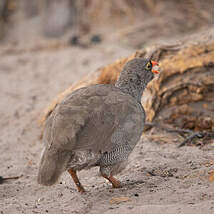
<point x="186" y="78"/>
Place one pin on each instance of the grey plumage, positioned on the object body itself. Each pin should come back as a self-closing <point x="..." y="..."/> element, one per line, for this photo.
<point x="97" y="125"/>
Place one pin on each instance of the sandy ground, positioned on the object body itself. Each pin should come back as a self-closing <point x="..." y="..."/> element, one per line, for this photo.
<point x="160" y="178"/>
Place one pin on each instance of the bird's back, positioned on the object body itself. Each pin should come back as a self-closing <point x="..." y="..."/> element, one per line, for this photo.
<point x="91" y="118"/>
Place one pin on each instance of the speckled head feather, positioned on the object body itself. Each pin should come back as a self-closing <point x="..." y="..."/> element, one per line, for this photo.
<point x="136" y="74"/>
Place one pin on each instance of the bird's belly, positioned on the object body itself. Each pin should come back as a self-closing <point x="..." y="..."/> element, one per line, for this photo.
<point x="83" y="159"/>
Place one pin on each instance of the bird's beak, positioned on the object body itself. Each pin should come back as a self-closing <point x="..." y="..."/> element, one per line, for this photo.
<point x="155" y="64"/>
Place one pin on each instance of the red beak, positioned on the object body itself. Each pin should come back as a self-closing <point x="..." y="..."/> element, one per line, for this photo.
<point x="155" y="64"/>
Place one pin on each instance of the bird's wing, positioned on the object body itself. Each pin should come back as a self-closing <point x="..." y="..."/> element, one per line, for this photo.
<point x="94" y="119"/>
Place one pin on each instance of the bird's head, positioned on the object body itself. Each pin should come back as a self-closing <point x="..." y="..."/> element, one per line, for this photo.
<point x="135" y="76"/>
<point x="138" y="71"/>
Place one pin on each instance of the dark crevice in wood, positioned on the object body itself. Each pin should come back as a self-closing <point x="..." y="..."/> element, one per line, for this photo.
<point x="188" y="74"/>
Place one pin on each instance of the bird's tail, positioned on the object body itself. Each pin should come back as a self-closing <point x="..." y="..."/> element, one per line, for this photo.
<point x="52" y="165"/>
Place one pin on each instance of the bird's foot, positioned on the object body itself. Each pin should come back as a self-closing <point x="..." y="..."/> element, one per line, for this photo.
<point x="115" y="183"/>
<point x="81" y="189"/>
<point x="76" y="180"/>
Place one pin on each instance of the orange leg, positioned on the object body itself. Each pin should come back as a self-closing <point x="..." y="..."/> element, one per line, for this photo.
<point x="76" y="180"/>
<point x="114" y="181"/>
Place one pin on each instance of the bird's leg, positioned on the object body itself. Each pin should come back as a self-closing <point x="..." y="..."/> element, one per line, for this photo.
<point x="76" y="180"/>
<point x="114" y="181"/>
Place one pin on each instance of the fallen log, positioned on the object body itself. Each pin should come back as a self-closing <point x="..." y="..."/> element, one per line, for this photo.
<point x="186" y="78"/>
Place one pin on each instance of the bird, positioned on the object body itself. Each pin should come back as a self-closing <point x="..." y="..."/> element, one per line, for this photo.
<point x="97" y="125"/>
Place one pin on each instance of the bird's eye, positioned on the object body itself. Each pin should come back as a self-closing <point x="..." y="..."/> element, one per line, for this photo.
<point x="149" y="66"/>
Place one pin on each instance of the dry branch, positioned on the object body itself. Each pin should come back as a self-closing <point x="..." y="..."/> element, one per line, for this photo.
<point x="189" y="139"/>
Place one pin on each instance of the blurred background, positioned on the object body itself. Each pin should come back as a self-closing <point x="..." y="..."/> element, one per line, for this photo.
<point x="134" y="22"/>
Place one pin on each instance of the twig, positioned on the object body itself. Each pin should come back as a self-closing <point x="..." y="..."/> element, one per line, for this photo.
<point x="198" y="135"/>
<point x="2" y="179"/>
<point x="189" y="139"/>
<point x="178" y="130"/>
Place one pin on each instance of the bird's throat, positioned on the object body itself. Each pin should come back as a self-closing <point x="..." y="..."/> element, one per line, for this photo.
<point x="135" y="91"/>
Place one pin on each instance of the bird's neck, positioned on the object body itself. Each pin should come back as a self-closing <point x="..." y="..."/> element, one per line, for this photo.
<point x="134" y="90"/>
